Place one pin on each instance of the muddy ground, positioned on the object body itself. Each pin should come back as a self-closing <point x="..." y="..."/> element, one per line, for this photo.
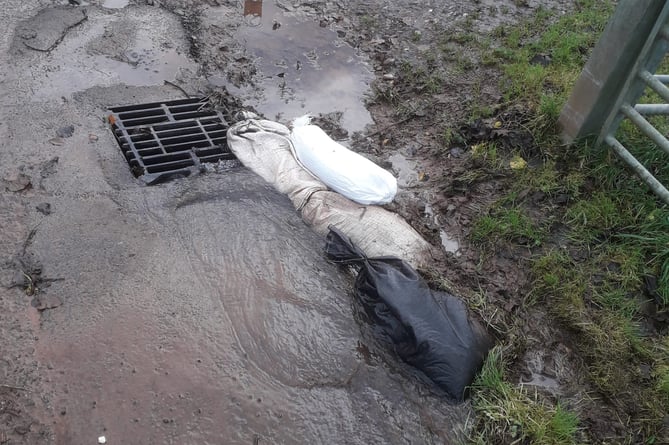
<point x="160" y="315"/>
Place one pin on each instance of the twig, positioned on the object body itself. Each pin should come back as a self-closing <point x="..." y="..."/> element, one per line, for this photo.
<point x="406" y="119"/>
<point x="18" y="388"/>
<point x="30" y="237"/>
<point x="167" y="82"/>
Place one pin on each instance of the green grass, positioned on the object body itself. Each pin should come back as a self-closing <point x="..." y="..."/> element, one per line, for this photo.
<point x="511" y="224"/>
<point x="616" y="233"/>
<point x="509" y="411"/>
<point x="597" y="238"/>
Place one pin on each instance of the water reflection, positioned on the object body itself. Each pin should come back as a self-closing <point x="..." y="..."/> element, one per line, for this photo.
<point x="304" y="68"/>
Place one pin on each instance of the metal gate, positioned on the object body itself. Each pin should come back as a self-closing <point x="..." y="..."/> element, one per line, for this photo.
<point x="620" y="70"/>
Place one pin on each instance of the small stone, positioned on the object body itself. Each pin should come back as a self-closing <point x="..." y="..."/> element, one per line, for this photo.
<point x="65" y="132"/>
<point x="22" y="429"/>
<point x="56" y="141"/>
<point x="44" y="208"/>
<point x="389" y="76"/>
<point x="456" y="152"/>
<point x="92" y="138"/>
<point x="102" y="439"/>
<point x="541" y="59"/>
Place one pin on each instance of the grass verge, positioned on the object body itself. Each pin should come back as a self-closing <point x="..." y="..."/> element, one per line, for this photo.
<point x="598" y="240"/>
<point x="604" y="275"/>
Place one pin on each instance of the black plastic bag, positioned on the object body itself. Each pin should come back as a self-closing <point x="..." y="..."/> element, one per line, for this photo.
<point x="430" y="330"/>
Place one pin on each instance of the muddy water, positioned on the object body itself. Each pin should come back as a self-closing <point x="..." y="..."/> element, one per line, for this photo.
<point x="304" y="68"/>
<point x="208" y="312"/>
<point x="131" y="46"/>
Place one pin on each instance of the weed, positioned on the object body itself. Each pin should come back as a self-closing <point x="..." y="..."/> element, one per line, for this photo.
<point x="544" y="178"/>
<point x="663" y="382"/>
<point x="510" y="224"/>
<point x="598" y="217"/>
<point x="368" y="21"/>
<point x="419" y="78"/>
<point x="486" y="152"/>
<point x="513" y="415"/>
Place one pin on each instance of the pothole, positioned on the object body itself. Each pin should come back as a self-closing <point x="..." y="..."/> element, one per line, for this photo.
<point x="163" y="140"/>
<point x="407" y="174"/>
<point x="539" y="372"/>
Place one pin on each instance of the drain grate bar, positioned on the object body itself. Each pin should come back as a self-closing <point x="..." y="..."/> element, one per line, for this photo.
<point x="163" y="139"/>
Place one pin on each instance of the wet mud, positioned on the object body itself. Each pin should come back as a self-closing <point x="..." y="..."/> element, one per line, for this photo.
<point x="209" y="312"/>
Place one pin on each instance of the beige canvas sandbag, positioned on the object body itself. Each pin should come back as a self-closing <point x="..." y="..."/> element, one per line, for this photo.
<point x="375" y="230"/>
<point x="264" y="147"/>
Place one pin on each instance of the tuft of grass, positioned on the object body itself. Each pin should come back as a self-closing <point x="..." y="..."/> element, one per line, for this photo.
<point x="511" y="224"/>
<point x="368" y="22"/>
<point x="487" y="153"/>
<point x="509" y="414"/>
<point x="598" y="216"/>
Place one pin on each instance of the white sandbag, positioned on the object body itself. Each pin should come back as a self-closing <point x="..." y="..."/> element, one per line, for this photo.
<point x="264" y="147"/>
<point x="341" y="169"/>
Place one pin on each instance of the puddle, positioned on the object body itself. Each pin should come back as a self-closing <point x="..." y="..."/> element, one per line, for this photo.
<point x="405" y="168"/>
<point x="141" y="49"/>
<point x="535" y="373"/>
<point x="145" y="66"/>
<point x="303" y="68"/>
<point x="115" y="4"/>
<point x="450" y="245"/>
<point x="253" y="339"/>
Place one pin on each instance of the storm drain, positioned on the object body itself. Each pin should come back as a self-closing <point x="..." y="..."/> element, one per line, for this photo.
<point x="161" y="140"/>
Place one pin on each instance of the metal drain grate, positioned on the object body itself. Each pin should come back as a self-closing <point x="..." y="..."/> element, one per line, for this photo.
<point x="166" y="139"/>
